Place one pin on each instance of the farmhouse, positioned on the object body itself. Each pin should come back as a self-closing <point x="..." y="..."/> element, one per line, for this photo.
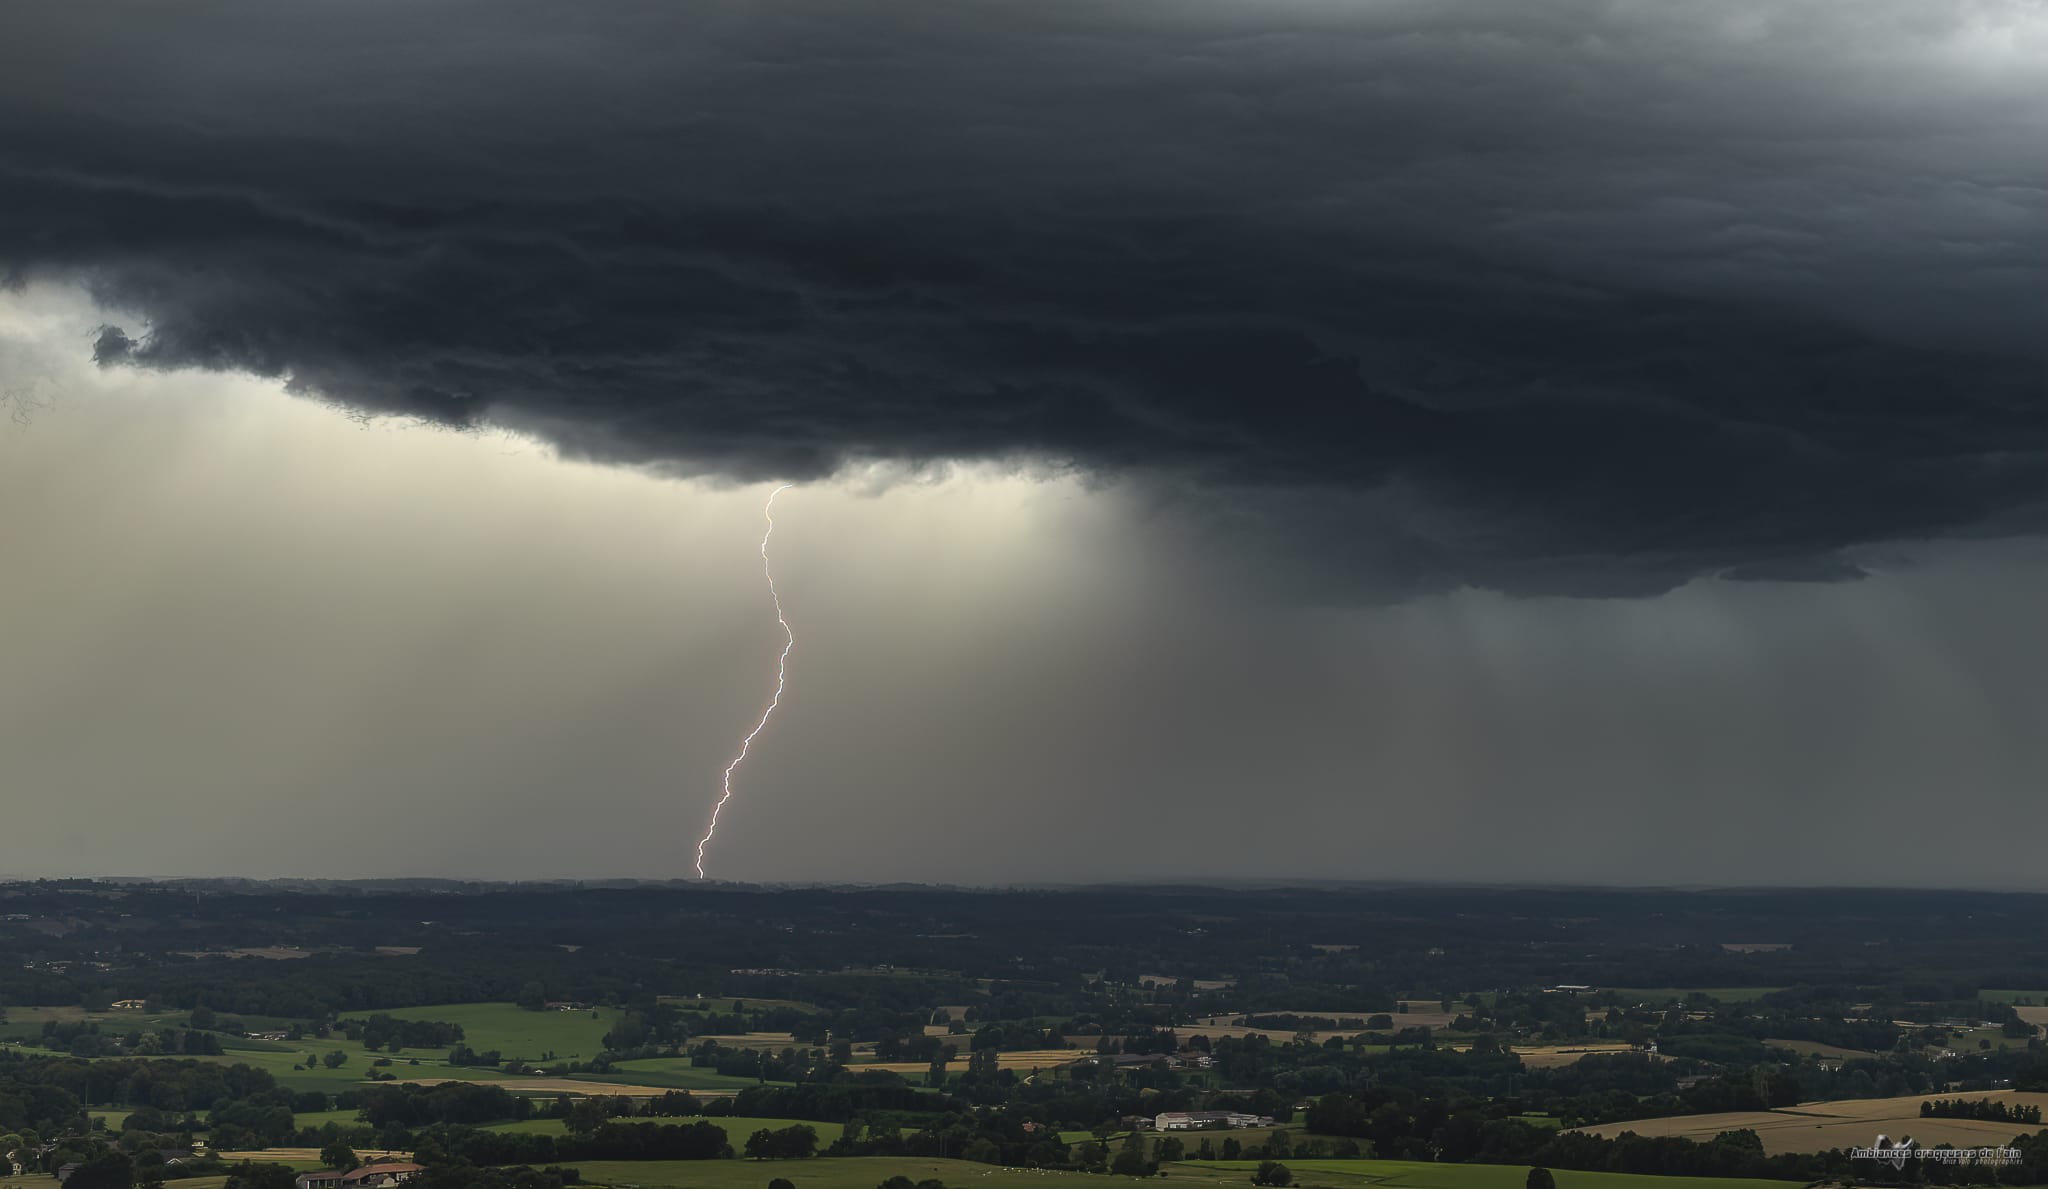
<point x="129" y="1004"/>
<point x="1207" y="1120"/>
<point x="369" y="1176"/>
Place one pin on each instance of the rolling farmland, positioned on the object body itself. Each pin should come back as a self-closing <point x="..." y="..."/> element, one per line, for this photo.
<point x="1852" y="1123"/>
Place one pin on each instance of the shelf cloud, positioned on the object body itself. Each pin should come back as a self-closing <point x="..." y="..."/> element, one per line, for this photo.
<point x="1584" y="297"/>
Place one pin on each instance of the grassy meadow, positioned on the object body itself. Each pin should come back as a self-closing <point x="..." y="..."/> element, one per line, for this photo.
<point x="511" y="1030"/>
<point x="516" y="1032"/>
<point x="1661" y="995"/>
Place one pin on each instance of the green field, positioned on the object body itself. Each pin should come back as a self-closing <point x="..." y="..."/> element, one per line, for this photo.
<point x="279" y="1059"/>
<point x="505" y="1027"/>
<point x="723" y="1003"/>
<point x="323" y="1118"/>
<point x="2037" y="998"/>
<point x="26" y="1023"/>
<point x="1666" y="994"/>
<point x="516" y="1032"/>
<point x="737" y="1128"/>
<point x="865" y="1172"/>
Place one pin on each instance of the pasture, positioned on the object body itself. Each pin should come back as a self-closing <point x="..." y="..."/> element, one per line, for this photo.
<point x="2036" y="998"/>
<point x="1850" y="1123"/>
<point x="517" y="1032"/>
<point x="280" y="1059"/>
<point x="26" y="1023"/>
<point x="346" y="1118"/>
<point x="1658" y="996"/>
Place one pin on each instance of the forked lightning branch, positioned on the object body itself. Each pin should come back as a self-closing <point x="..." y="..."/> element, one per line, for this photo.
<point x="781" y="679"/>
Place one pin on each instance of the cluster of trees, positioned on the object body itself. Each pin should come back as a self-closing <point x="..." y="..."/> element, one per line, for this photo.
<point x="796" y="1142"/>
<point x="47" y="1094"/>
<point x="81" y="1038"/>
<point x="1982" y="1108"/>
<point x="788" y="1065"/>
<point x="413" y="1106"/>
<point x="385" y="1031"/>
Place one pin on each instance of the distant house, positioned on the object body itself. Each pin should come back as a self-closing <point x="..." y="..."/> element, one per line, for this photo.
<point x="562" y="1005"/>
<point x="130" y="1004"/>
<point x="1207" y="1120"/>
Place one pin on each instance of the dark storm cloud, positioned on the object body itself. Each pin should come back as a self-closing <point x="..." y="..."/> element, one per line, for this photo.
<point x="1569" y="296"/>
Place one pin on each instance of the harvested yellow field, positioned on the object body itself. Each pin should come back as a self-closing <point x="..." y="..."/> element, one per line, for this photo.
<point x="308" y="1155"/>
<point x="756" y="1040"/>
<point x="1816" y="1049"/>
<point x="1552" y="1056"/>
<point x="2034" y="1015"/>
<point x="1851" y="1123"/>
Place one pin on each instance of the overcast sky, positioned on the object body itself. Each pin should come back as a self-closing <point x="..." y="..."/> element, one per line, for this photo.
<point x="1321" y="438"/>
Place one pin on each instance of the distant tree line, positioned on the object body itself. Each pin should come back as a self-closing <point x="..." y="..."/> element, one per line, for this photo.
<point x="1982" y="1108"/>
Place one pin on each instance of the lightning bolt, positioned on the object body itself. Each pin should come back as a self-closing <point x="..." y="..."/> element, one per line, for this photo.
<point x="781" y="678"/>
